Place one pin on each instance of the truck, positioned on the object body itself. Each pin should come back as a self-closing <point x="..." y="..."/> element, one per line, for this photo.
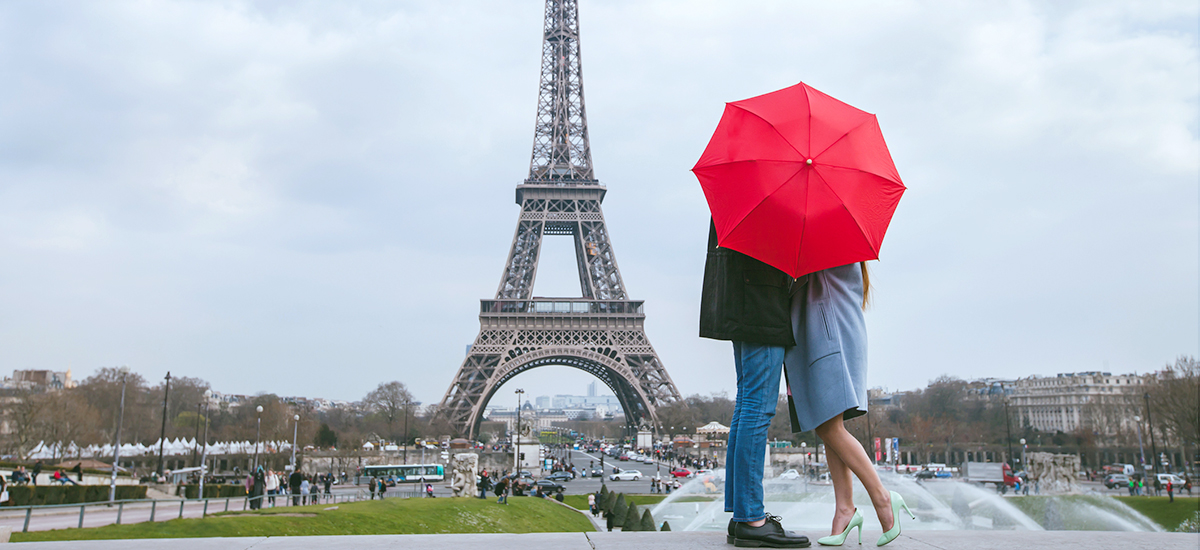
<point x="998" y="473"/>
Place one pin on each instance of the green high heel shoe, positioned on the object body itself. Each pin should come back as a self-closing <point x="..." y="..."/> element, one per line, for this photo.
<point x="838" y="540"/>
<point x="891" y="534"/>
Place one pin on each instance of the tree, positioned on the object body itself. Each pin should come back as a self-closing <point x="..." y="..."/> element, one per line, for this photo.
<point x="326" y="437"/>
<point x="390" y="400"/>
<point x="22" y="416"/>
<point x="1175" y="403"/>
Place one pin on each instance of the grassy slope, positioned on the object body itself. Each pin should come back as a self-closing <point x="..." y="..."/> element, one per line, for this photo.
<point x="1165" y="513"/>
<point x="579" y="502"/>
<point x="391" y="516"/>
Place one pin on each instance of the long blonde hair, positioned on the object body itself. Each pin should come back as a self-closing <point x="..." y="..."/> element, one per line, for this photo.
<point x="866" y="285"/>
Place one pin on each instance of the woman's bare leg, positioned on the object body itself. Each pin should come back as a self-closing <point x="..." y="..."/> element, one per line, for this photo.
<point x="851" y="454"/>
<point x="843" y="491"/>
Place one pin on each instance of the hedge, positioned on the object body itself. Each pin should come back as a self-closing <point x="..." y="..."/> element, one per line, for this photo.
<point x="213" y="490"/>
<point x="26" y="495"/>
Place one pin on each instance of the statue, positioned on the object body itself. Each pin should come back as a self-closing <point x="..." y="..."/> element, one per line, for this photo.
<point x="466" y="474"/>
<point x="1054" y="473"/>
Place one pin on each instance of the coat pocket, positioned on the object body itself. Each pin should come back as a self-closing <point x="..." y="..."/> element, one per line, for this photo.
<point x="766" y="300"/>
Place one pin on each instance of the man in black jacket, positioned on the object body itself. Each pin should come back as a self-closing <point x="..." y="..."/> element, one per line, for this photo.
<point x="294" y="482"/>
<point x="749" y="303"/>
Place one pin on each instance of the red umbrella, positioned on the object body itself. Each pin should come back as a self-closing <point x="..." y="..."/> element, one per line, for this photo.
<point x="799" y="180"/>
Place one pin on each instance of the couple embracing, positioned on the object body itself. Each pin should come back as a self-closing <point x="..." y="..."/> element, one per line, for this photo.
<point x="801" y="189"/>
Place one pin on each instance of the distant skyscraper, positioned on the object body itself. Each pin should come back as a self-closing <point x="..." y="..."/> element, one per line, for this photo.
<point x="543" y="402"/>
<point x="592" y="389"/>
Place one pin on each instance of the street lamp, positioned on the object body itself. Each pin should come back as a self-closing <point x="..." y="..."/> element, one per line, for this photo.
<point x="1150" y="428"/>
<point x="162" y="434"/>
<point x="1024" y="447"/>
<point x="204" y="451"/>
<point x="517" y="436"/>
<point x="1137" y="422"/>
<point x="112" y="486"/>
<point x="803" y="463"/>
<point x="295" y="431"/>
<point x="1008" y="429"/>
<point x="405" y="441"/>
<point x="257" y="431"/>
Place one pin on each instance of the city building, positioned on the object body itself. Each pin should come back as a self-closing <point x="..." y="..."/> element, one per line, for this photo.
<point x="1096" y="401"/>
<point x="39" y="380"/>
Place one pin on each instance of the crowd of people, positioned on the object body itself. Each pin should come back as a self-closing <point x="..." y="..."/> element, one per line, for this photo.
<point x="264" y="485"/>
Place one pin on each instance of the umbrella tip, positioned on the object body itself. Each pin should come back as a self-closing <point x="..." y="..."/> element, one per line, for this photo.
<point x="809" y="161"/>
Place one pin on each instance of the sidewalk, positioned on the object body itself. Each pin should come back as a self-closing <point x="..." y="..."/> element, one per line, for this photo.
<point x="918" y="540"/>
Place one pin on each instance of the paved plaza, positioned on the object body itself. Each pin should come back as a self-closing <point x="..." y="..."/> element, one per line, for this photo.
<point x="918" y="540"/>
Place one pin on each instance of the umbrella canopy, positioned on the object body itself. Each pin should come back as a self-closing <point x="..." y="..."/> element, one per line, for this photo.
<point x="799" y="180"/>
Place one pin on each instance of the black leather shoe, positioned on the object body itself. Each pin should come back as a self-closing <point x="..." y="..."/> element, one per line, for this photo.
<point x="729" y="538"/>
<point x="769" y="535"/>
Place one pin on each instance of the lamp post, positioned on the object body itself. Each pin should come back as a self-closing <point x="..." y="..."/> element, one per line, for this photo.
<point x="204" y="450"/>
<point x="1008" y="429"/>
<point x="517" y="436"/>
<point x="405" y="442"/>
<point x="196" y="438"/>
<point x="162" y="433"/>
<point x="1150" y="428"/>
<point x="1024" y="447"/>
<point x="112" y="486"/>
<point x="295" y="432"/>
<point x="1137" y="423"/>
<point x="257" y="431"/>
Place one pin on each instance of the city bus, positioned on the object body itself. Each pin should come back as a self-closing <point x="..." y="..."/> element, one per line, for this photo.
<point x="405" y="473"/>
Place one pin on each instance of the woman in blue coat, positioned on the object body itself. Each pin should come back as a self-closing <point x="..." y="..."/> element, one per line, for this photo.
<point x="826" y="373"/>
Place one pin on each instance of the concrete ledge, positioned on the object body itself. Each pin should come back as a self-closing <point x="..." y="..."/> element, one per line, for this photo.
<point x="916" y="540"/>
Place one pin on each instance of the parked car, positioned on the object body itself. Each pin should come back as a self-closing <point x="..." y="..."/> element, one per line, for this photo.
<point x="560" y="476"/>
<point x="681" y="472"/>
<point x="596" y="472"/>
<point x="1174" y="479"/>
<point x="790" y="474"/>
<point x="626" y="475"/>
<point x="1115" y="481"/>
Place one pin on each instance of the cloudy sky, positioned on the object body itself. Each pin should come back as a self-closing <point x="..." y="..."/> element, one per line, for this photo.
<point x="309" y="198"/>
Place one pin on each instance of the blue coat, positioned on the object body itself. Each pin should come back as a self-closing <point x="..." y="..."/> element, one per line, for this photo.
<point x="826" y="370"/>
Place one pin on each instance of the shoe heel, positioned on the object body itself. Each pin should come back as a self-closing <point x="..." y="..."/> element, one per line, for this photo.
<point x="860" y="534"/>
<point x="905" y="505"/>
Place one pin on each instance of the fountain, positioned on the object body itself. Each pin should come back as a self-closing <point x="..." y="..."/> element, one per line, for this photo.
<point x="807" y="506"/>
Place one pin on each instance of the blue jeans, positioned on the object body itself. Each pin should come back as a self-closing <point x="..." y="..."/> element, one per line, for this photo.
<point x="759" y="367"/>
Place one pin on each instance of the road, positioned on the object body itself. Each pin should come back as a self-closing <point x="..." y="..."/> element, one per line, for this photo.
<point x="584" y="485"/>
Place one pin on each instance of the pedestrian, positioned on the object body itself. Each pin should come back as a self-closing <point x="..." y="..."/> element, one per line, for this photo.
<point x="1187" y="484"/>
<point x="1157" y="486"/>
<point x="760" y="332"/>
<point x="259" y="488"/>
<point x="382" y="489"/>
<point x="429" y="490"/>
<point x="558" y="495"/>
<point x="1132" y="486"/>
<point x="1170" y="491"/>
<point x="592" y="503"/>
<point x="485" y="484"/>
<point x="1141" y="487"/>
<point x="37" y="470"/>
<point x="373" y="486"/>
<point x="328" y="487"/>
<point x="78" y="469"/>
<point x="502" y="490"/>
<point x="294" y="481"/>
<point x="305" y="489"/>
<point x="272" y="487"/>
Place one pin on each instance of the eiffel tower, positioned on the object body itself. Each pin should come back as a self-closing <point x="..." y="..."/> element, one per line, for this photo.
<point x="600" y="333"/>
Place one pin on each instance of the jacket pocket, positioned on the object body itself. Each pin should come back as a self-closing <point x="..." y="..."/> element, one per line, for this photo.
<point x="766" y="298"/>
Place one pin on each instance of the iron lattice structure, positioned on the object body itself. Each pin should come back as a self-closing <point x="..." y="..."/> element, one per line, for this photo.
<point x="602" y="332"/>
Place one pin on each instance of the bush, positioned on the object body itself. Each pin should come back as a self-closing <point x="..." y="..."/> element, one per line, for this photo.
<point x="633" y="519"/>
<point x="619" y="509"/>
<point x="666" y="526"/>
<point x="610" y="500"/>
<point x="29" y="495"/>
<point x="212" y="490"/>
<point x="647" y="521"/>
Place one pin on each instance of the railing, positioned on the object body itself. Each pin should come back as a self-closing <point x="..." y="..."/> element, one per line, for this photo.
<point x="15" y="512"/>
<point x="561" y="306"/>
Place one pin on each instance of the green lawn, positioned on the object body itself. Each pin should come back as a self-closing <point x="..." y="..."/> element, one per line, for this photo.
<point x="1164" y="512"/>
<point x="579" y="502"/>
<point x="391" y="516"/>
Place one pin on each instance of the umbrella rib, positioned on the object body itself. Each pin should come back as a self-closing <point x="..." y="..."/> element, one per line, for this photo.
<point x="848" y="212"/>
<point x="760" y="203"/>
<point x="843" y="136"/>
<point x="773" y="128"/>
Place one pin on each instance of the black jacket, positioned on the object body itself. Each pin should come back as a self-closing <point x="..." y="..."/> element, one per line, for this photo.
<point x="744" y="299"/>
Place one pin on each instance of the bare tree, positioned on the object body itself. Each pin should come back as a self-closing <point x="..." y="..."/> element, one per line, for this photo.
<point x="23" y="415"/>
<point x="1175" y="403"/>
<point x="389" y="400"/>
